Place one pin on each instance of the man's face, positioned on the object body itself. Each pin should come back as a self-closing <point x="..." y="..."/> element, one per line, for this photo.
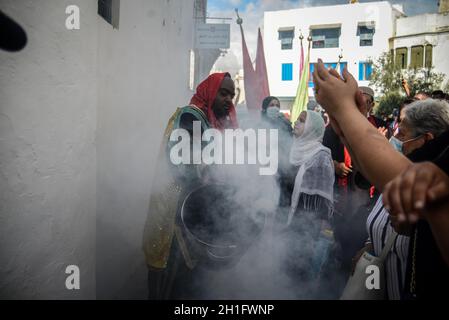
<point x="223" y="100"/>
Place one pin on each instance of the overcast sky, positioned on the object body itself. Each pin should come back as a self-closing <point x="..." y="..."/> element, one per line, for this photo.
<point x="252" y="13"/>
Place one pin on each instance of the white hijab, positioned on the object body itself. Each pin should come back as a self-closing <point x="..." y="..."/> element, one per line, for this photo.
<point x="316" y="175"/>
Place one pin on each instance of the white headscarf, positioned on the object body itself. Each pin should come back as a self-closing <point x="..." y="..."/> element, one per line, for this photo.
<point x="316" y="175"/>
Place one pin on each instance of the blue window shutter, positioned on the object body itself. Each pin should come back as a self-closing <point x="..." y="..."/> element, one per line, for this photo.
<point x="312" y="69"/>
<point x="334" y="65"/>
<point x="369" y="71"/>
<point x="342" y="66"/>
<point x="287" y="71"/>
<point x="361" y="68"/>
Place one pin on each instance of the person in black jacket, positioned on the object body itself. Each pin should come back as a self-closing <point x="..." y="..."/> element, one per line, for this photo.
<point x="272" y="118"/>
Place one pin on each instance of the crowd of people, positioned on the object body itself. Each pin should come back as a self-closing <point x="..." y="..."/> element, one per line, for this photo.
<point x="349" y="180"/>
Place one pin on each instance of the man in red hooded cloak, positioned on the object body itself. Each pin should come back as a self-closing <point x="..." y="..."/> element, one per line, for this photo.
<point x="168" y="257"/>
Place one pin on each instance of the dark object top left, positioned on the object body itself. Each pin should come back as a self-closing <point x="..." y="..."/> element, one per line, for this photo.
<point x="12" y="35"/>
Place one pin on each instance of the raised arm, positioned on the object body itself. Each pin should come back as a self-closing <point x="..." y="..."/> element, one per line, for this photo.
<point x="410" y="192"/>
<point x="377" y="159"/>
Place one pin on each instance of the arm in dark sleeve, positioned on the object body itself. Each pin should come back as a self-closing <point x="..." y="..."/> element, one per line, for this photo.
<point x="332" y="141"/>
<point x="189" y="173"/>
<point x="186" y="122"/>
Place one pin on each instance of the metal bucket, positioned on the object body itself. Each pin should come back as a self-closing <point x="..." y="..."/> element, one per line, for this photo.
<point x="219" y="227"/>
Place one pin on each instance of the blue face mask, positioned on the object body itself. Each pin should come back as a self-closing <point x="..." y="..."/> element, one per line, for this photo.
<point x="398" y="144"/>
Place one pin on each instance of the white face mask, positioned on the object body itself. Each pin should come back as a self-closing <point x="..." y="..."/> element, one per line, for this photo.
<point x="273" y="112"/>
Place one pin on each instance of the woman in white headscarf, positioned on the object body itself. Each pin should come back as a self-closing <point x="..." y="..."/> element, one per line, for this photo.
<point x="309" y="236"/>
<point x="313" y="190"/>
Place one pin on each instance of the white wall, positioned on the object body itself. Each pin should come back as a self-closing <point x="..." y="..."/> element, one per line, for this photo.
<point x="142" y="78"/>
<point x="82" y="115"/>
<point x="47" y="153"/>
<point x="440" y="53"/>
<point x="347" y="15"/>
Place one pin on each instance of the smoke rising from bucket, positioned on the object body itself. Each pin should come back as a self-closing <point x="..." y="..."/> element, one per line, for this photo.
<point x="271" y="261"/>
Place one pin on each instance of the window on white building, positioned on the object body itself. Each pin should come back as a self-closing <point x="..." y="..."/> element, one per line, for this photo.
<point x="401" y="57"/>
<point x="287" y="71"/>
<point x="366" y="32"/>
<point x="325" y="37"/>
<point x="365" y="71"/>
<point x="417" y="57"/>
<point x="429" y="56"/>
<point x="327" y="65"/>
<point x="286" y="36"/>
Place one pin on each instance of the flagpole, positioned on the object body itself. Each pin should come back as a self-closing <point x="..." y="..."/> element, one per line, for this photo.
<point x="302" y="93"/>
<point x="239" y="20"/>
<point x="301" y="61"/>
<point x="309" y="39"/>
<point x="339" y="61"/>
<point x="250" y="76"/>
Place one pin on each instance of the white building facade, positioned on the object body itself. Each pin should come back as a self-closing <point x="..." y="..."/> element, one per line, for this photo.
<point x="358" y="32"/>
<point x="422" y="41"/>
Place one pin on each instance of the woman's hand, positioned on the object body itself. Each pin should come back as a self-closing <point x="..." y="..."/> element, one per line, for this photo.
<point x="421" y="192"/>
<point x="417" y="187"/>
<point x="402" y="228"/>
<point x="334" y="93"/>
<point x="341" y="169"/>
<point x="326" y="98"/>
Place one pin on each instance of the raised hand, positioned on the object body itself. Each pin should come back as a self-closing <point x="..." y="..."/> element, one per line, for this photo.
<point x="326" y="95"/>
<point x="411" y="192"/>
<point x="332" y="92"/>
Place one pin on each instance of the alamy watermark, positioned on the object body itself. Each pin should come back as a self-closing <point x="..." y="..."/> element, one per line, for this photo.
<point x="373" y="280"/>
<point x="72" y="282"/>
<point x="73" y="20"/>
<point x="226" y="147"/>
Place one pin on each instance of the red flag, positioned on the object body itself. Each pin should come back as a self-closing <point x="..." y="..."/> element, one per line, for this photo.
<point x="256" y="81"/>
<point x="249" y="73"/>
<point x="261" y="70"/>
